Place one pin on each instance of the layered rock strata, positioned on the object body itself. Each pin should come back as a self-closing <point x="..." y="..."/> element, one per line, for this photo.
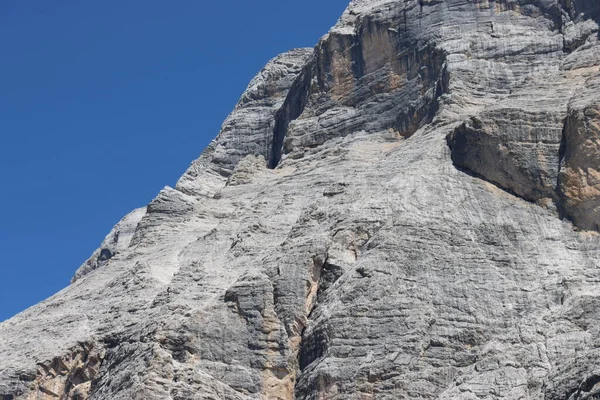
<point x="407" y="211"/>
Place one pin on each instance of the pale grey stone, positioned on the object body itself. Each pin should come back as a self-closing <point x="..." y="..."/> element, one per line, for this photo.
<point x="408" y="211"/>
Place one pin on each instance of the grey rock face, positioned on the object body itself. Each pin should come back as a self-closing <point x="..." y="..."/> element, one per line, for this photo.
<point x="408" y="211"/>
<point x="520" y="142"/>
<point x="115" y="242"/>
<point x="578" y="180"/>
<point x="250" y="128"/>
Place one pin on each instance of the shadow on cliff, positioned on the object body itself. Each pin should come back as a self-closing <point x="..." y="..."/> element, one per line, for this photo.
<point x="590" y="9"/>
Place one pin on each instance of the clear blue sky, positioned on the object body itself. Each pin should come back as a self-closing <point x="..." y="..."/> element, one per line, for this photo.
<point x="103" y="103"/>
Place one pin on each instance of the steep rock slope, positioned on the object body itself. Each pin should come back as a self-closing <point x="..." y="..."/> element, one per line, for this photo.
<point x="406" y="211"/>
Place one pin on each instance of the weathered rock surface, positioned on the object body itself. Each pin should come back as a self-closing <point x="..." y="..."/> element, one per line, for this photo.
<point x="579" y="180"/>
<point x="408" y="211"/>
<point x="117" y="241"/>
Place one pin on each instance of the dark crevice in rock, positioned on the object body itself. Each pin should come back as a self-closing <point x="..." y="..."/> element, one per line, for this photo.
<point x="554" y="13"/>
<point x="570" y="47"/>
<point x="313" y="347"/>
<point x="308" y="340"/>
<point x="356" y="54"/>
<point x="292" y="108"/>
<point x="363" y="272"/>
<point x="432" y="69"/>
<point x="562" y="213"/>
<point x="562" y="150"/>
<point x="105" y="255"/>
<point x="589" y="383"/>
<point x="584" y="389"/>
<point x="441" y="88"/>
<point x="586" y="9"/>
<point x="315" y="339"/>
<point x="330" y="274"/>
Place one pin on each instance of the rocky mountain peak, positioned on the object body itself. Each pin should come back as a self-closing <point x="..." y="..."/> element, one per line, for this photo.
<point x="408" y="210"/>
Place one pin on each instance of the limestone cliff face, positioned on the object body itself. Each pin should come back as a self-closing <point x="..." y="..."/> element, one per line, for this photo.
<point x="409" y="210"/>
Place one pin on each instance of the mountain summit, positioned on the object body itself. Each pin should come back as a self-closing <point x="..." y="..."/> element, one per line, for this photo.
<point x="410" y="210"/>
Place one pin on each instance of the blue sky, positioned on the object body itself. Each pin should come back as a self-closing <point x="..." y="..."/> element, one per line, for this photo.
<point x="103" y="103"/>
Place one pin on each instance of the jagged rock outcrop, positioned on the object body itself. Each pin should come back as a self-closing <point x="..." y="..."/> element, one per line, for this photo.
<point x="579" y="179"/>
<point x="115" y="242"/>
<point x="410" y="210"/>
<point x="251" y="127"/>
